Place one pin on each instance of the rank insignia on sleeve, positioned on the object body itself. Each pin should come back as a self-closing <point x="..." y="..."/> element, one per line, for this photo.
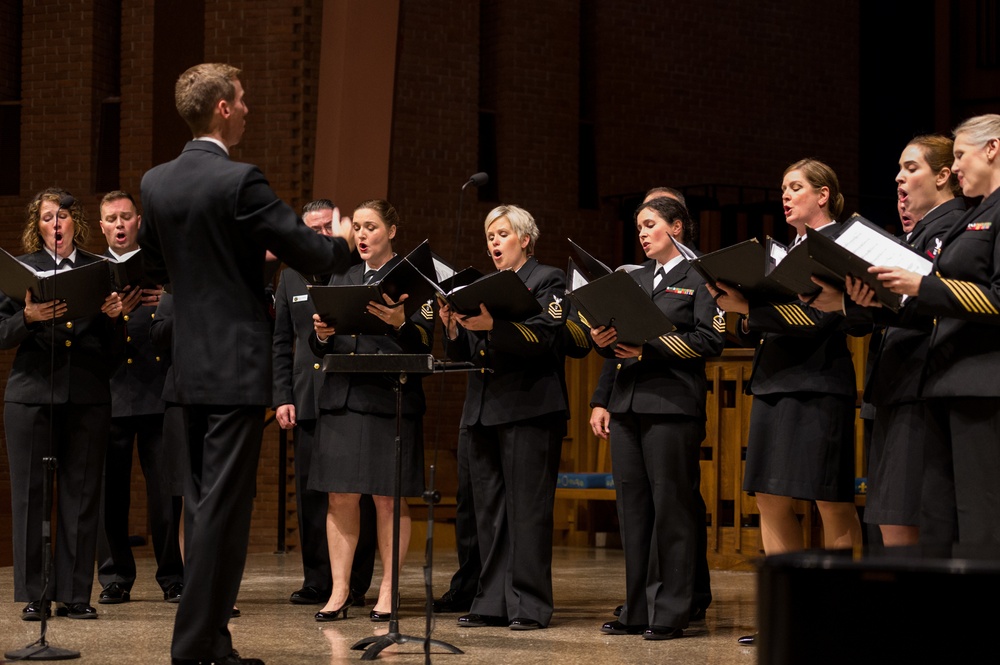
<point x="979" y="226"/>
<point x="427" y="310"/>
<point x="555" y="308"/>
<point x="683" y="292"/>
<point x="719" y="321"/>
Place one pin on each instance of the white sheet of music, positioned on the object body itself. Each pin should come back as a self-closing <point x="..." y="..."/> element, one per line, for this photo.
<point x="879" y="250"/>
<point x="778" y="253"/>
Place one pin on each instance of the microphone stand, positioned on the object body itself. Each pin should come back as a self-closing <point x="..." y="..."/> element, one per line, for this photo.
<point x="40" y="649"/>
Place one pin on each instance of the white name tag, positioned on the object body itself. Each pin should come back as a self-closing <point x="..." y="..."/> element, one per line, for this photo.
<point x="301" y="298"/>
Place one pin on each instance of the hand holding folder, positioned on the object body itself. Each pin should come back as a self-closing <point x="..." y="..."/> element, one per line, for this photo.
<point x="613" y="299"/>
<point x="83" y="288"/>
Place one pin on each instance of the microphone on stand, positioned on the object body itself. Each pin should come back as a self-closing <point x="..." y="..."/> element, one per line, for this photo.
<point x="477" y="180"/>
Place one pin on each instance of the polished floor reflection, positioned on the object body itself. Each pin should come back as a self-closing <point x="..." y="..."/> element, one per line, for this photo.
<point x="588" y="585"/>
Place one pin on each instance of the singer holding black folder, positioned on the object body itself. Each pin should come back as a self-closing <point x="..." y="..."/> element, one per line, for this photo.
<point x="61" y="410"/>
<point x="961" y="381"/>
<point x="650" y="400"/>
<point x="801" y="439"/>
<point x="357" y="421"/>
<point x="515" y="417"/>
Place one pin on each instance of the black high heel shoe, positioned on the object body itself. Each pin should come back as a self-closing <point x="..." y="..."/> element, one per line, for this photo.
<point x="380" y="617"/>
<point x="334" y="615"/>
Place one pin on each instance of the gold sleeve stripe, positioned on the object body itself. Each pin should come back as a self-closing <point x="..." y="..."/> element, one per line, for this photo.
<point x="424" y="337"/>
<point x="526" y="331"/>
<point x="579" y="337"/>
<point x="793" y="315"/>
<point x="678" y="346"/>
<point x="971" y="296"/>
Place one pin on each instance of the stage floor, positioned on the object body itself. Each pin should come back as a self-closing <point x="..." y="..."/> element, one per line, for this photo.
<point x="589" y="583"/>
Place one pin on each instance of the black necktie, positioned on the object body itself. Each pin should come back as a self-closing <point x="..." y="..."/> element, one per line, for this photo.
<point x="659" y="275"/>
<point x="65" y="264"/>
<point x="369" y="275"/>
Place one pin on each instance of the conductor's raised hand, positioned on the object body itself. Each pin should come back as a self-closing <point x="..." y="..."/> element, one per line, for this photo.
<point x="42" y="311"/>
<point x="390" y="312"/>
<point x="482" y="321"/>
<point x="728" y="298"/>
<point x="604" y="336"/>
<point x="343" y="228"/>
<point x="323" y="331"/>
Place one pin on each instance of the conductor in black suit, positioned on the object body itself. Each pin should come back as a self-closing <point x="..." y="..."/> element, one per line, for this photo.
<point x="208" y="223"/>
<point x="57" y="403"/>
<point x="136" y="422"/>
<point x="298" y="378"/>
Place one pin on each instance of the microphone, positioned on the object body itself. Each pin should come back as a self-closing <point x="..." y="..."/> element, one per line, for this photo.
<point x="67" y="200"/>
<point x="477" y="180"/>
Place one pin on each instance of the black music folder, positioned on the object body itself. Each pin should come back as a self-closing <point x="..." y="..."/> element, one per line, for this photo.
<point x="129" y="273"/>
<point x="83" y="288"/>
<point x="502" y="292"/>
<point x="613" y="298"/>
<point x="345" y="307"/>
<point x="861" y="245"/>
<point x="744" y="267"/>
<point x="793" y="268"/>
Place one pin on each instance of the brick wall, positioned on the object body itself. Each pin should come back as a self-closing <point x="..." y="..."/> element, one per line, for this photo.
<point x="679" y="94"/>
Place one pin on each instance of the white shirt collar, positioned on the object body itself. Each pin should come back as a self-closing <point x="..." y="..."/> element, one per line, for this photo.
<point x="213" y="140"/>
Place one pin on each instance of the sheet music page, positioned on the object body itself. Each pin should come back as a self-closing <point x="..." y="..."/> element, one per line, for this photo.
<point x="628" y="267"/>
<point x="878" y="250"/>
<point x="778" y="253"/>
<point x="576" y="280"/>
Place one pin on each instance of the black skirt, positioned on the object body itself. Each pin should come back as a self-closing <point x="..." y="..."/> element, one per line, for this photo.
<point x="801" y="445"/>
<point x="355" y="453"/>
<point x="896" y="463"/>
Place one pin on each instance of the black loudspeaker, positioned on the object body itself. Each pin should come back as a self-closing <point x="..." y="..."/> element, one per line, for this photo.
<point x="903" y="605"/>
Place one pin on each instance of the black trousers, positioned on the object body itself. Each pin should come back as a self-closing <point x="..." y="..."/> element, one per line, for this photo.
<point x="962" y="466"/>
<point x="465" y="581"/>
<point x="79" y="435"/>
<point x="224" y="449"/>
<point x="655" y="466"/>
<point x="514" y="468"/>
<point x="115" y="562"/>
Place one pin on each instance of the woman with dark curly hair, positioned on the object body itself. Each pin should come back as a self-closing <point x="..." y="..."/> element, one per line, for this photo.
<point x="57" y="404"/>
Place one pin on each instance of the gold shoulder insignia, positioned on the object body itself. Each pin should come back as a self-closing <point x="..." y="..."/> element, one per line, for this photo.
<point x="427" y="310"/>
<point x="719" y="321"/>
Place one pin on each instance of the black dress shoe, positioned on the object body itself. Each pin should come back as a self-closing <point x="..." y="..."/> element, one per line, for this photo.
<point x="662" y="633"/>
<point x="235" y="614"/>
<point x="172" y="594"/>
<point x="76" y="611"/>
<point x="525" y="624"/>
<point x="618" y="610"/>
<point x="748" y="639"/>
<point x="334" y="615"/>
<point x="231" y="659"/>
<point x="481" y="621"/>
<point x="452" y="602"/>
<point x="113" y="594"/>
<point x="308" y="595"/>
<point x="33" y="611"/>
<point x="619" y="628"/>
<point x="380" y="617"/>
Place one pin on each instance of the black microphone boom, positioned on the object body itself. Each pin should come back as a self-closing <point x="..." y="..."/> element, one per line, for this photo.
<point x="477" y="180"/>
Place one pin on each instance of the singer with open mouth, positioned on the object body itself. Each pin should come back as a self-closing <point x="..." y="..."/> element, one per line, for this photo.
<point x="57" y="404"/>
<point x="515" y="416"/>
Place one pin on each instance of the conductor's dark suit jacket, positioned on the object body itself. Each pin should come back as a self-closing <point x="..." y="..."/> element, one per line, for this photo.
<point x="670" y="378"/>
<point x="373" y="393"/>
<point x="86" y="350"/>
<point x="526" y="357"/>
<point x="222" y="215"/>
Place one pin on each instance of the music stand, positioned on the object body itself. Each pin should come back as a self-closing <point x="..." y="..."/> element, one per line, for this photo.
<point x="400" y="364"/>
